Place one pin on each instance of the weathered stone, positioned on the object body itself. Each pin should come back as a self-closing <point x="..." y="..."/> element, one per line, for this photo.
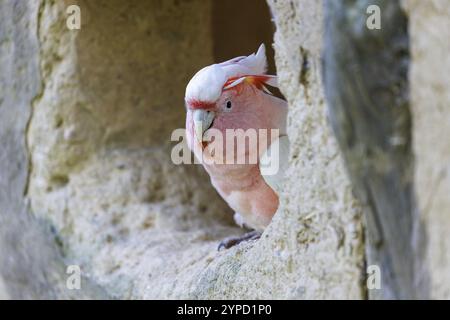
<point x="86" y="176"/>
<point x="140" y="226"/>
<point x="430" y="99"/>
<point x="30" y="261"/>
<point x="99" y="140"/>
<point x="390" y="127"/>
<point x="3" y="293"/>
<point x="365" y="76"/>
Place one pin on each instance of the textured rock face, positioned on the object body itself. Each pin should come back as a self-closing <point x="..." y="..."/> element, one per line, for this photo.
<point x="3" y="293"/>
<point x="366" y="81"/>
<point x="86" y="176"/>
<point x="99" y="141"/>
<point x="321" y="219"/>
<point x="140" y="227"/>
<point x="313" y="247"/>
<point x="31" y="263"/>
<point x="430" y="98"/>
<point x="390" y="127"/>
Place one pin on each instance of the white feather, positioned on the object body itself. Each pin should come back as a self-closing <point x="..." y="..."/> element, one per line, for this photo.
<point x="207" y="84"/>
<point x="274" y="162"/>
<point x="234" y="83"/>
<point x="256" y="63"/>
<point x="266" y="90"/>
<point x="273" y="81"/>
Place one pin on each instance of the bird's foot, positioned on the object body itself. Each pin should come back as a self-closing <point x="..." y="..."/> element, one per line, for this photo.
<point x="227" y="243"/>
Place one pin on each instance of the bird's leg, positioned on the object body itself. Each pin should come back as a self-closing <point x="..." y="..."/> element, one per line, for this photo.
<point x="229" y="242"/>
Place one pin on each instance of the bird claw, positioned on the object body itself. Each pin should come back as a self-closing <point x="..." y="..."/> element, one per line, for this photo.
<point x="229" y="242"/>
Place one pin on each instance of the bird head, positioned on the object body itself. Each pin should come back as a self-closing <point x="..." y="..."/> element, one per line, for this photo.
<point x="230" y="95"/>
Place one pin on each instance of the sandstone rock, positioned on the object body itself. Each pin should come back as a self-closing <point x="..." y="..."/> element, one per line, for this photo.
<point x="99" y="142"/>
<point x="430" y="99"/>
<point x="30" y="261"/>
<point x="366" y="81"/>
<point x="86" y="177"/>
<point x="141" y="227"/>
<point x="3" y="293"/>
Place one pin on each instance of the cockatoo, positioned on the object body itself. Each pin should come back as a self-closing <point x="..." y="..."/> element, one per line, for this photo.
<point x="233" y="95"/>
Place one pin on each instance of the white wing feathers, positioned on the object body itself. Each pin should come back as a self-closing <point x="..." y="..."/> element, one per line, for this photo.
<point x="274" y="163"/>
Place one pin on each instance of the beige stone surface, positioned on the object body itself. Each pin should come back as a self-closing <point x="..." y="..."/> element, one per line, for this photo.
<point x="138" y="225"/>
<point x="319" y="211"/>
<point x="99" y="141"/>
<point x="3" y="293"/>
<point x="31" y="264"/>
<point x="430" y="83"/>
<point x="102" y="192"/>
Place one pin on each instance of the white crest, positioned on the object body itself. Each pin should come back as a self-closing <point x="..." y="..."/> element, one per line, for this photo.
<point x="207" y="84"/>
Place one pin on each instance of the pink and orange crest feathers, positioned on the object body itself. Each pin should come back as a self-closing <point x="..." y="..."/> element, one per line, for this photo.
<point x="258" y="81"/>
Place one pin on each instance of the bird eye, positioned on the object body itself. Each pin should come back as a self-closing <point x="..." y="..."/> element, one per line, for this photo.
<point x="228" y="104"/>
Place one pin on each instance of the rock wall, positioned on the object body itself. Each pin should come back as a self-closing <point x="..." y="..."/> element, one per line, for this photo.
<point x="86" y="176"/>
<point x="3" y="293"/>
<point x="319" y="215"/>
<point x="99" y="143"/>
<point x="313" y="248"/>
<point x="31" y="264"/>
<point x="366" y="80"/>
<point x="106" y="99"/>
<point x="430" y="99"/>
<point x="388" y="95"/>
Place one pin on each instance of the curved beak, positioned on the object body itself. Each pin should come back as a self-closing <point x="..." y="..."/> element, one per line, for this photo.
<point x="203" y="120"/>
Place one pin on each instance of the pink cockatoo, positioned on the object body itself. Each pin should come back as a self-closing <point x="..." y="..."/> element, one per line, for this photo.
<point x="233" y="95"/>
